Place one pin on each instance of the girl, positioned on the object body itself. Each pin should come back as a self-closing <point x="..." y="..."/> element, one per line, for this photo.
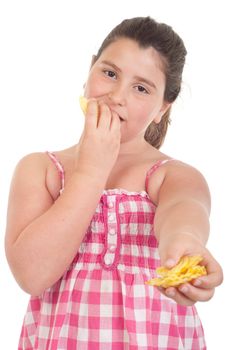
<point x="88" y="225"/>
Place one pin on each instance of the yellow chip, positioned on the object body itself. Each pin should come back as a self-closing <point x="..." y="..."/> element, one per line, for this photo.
<point x="186" y="270"/>
<point x="83" y="103"/>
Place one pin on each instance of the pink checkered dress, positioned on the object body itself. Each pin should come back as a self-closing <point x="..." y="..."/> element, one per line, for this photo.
<point x="102" y="301"/>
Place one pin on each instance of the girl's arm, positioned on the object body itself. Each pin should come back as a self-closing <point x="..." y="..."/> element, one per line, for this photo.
<point x="43" y="236"/>
<point x="182" y="227"/>
<point x="183" y="203"/>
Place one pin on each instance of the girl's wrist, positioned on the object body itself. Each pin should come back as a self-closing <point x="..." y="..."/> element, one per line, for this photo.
<point x="92" y="172"/>
<point x="192" y="235"/>
<point x="181" y="236"/>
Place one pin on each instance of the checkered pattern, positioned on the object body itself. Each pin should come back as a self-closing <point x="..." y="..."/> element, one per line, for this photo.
<point x="102" y="301"/>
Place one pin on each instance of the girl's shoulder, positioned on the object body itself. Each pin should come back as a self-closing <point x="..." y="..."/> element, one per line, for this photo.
<point x="177" y="179"/>
<point x="32" y="165"/>
<point x="39" y="170"/>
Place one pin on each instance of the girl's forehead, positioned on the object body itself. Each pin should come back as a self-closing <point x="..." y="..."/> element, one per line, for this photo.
<point x="126" y="53"/>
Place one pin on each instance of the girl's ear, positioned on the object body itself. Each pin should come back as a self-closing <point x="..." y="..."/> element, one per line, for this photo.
<point x="94" y="58"/>
<point x="163" y="110"/>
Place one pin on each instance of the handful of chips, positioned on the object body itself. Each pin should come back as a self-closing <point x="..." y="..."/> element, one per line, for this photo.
<point x="186" y="270"/>
<point x="83" y="103"/>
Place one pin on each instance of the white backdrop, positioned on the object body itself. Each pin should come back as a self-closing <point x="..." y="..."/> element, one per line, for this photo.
<point x="46" y="48"/>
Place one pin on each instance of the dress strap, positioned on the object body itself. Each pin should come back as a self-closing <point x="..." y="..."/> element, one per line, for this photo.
<point x="154" y="168"/>
<point x="59" y="167"/>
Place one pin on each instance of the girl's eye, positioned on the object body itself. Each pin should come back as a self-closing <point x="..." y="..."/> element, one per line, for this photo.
<point x="110" y="73"/>
<point x="142" y="89"/>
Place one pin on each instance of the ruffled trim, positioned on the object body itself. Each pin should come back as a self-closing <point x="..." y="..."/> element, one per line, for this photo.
<point x="111" y="191"/>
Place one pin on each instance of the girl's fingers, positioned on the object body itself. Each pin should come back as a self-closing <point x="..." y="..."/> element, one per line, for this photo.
<point x="196" y="294"/>
<point x="177" y="296"/>
<point x="187" y="294"/>
<point x="99" y="115"/>
<point x="105" y="116"/>
<point x="91" y="114"/>
<point x="214" y="275"/>
<point x="208" y="282"/>
<point x="115" y="122"/>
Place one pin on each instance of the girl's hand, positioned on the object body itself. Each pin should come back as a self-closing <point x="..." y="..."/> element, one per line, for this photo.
<point x="99" y="145"/>
<point x="201" y="289"/>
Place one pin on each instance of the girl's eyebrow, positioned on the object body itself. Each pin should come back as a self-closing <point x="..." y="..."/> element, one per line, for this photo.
<point x="142" y="79"/>
<point x="146" y="81"/>
<point x="108" y="63"/>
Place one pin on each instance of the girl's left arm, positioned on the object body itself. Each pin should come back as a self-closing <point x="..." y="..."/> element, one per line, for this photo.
<point x="182" y="228"/>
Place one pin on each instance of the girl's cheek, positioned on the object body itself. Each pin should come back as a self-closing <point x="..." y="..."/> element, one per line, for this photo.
<point x="90" y="90"/>
<point x="94" y="87"/>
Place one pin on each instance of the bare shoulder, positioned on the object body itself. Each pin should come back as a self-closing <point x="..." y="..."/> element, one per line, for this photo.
<point x="30" y="167"/>
<point x="42" y="171"/>
<point x="180" y="174"/>
<point x="178" y="181"/>
<point x="28" y="197"/>
<point x="35" y="175"/>
<point x="29" y="178"/>
<point x="29" y="161"/>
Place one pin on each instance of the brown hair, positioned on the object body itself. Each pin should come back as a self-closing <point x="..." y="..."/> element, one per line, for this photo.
<point x="147" y="32"/>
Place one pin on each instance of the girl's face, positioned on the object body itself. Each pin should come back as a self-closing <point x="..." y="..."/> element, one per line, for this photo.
<point x="130" y="80"/>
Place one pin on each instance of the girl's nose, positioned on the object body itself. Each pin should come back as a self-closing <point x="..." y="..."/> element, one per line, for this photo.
<point x="117" y="96"/>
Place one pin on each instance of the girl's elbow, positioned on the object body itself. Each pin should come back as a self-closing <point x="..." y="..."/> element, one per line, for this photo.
<point x="29" y="281"/>
<point x="32" y="286"/>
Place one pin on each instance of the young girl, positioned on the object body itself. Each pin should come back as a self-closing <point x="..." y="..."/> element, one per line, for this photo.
<point x="88" y="225"/>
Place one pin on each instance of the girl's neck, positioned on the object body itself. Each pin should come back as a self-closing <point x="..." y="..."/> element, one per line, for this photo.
<point x="134" y="147"/>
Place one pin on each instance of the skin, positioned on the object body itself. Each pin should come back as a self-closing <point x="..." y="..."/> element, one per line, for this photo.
<point x="43" y="235"/>
<point x="116" y="80"/>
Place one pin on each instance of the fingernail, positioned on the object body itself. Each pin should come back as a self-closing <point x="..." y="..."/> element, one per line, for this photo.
<point x="197" y="283"/>
<point x="170" y="263"/>
<point x="170" y="293"/>
<point x="183" y="289"/>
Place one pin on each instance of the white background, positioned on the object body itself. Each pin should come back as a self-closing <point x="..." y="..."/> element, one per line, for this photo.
<point x="46" y="48"/>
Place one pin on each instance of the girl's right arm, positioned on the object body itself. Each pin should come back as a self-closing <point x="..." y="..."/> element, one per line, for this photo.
<point x="43" y="236"/>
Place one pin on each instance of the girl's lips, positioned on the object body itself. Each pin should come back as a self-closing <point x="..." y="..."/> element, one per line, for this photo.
<point x="122" y="120"/>
<point x="112" y="110"/>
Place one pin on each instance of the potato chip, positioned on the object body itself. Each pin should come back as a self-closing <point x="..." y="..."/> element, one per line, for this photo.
<point x="83" y="103"/>
<point x="186" y="270"/>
